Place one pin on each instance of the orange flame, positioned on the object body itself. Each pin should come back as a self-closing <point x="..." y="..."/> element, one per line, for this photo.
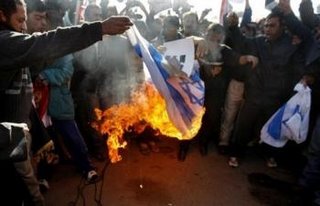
<point x="146" y="105"/>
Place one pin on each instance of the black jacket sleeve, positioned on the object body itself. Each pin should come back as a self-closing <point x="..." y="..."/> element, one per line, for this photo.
<point x="22" y="50"/>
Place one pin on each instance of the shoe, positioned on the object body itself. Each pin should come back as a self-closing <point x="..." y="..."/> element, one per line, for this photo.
<point x="182" y="155"/>
<point x="223" y="149"/>
<point x="233" y="162"/>
<point x="44" y="185"/>
<point x="92" y="176"/>
<point x="153" y="146"/>
<point x="144" y="149"/>
<point x="271" y="163"/>
<point x="203" y="148"/>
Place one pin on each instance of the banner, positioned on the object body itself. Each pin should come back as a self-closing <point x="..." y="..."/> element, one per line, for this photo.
<point x="237" y="1"/>
<point x="183" y="94"/>
<point x="224" y="9"/>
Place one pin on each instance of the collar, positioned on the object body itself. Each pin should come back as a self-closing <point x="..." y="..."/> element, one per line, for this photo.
<point x="4" y="26"/>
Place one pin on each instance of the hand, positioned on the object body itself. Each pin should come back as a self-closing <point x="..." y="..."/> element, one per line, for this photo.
<point x="284" y="6"/>
<point x="307" y="80"/>
<point x="232" y="19"/>
<point x="205" y="12"/>
<point x="295" y="40"/>
<point x="116" y="25"/>
<point x="317" y="32"/>
<point x="216" y="70"/>
<point x="249" y="59"/>
<point x="162" y="49"/>
<point x="201" y="45"/>
<point x="41" y="80"/>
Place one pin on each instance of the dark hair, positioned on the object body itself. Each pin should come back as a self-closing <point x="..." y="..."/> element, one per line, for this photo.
<point x="192" y="14"/>
<point x="216" y="28"/>
<point x="276" y="14"/>
<point x="8" y="7"/>
<point x="172" y="20"/>
<point x="35" y="5"/>
<point x="55" y="13"/>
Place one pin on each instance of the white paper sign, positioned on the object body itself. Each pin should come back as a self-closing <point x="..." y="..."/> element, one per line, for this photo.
<point x="181" y="51"/>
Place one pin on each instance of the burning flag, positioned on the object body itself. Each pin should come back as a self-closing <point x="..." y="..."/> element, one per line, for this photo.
<point x="184" y="96"/>
<point x="172" y="104"/>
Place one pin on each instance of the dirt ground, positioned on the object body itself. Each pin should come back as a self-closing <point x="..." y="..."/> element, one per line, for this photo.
<point x="159" y="179"/>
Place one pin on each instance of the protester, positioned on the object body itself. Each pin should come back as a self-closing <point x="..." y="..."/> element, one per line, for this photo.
<point x="23" y="51"/>
<point x="271" y="84"/>
<point x="44" y="155"/>
<point x="90" y="68"/>
<point x="310" y="177"/>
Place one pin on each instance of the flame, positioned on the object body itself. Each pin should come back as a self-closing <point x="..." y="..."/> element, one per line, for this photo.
<point x="146" y="105"/>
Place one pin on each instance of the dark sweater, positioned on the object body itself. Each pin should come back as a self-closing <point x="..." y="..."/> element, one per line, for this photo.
<point x="19" y="52"/>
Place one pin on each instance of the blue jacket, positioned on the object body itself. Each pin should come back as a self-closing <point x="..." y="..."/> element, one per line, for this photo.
<point x="58" y="76"/>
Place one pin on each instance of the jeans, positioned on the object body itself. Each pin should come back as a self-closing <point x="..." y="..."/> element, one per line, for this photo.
<point x="25" y="171"/>
<point x="74" y="142"/>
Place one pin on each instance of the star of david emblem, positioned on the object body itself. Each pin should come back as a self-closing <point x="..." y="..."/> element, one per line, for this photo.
<point x="186" y="87"/>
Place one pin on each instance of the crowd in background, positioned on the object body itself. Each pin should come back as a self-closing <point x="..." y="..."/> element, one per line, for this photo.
<point x="249" y="72"/>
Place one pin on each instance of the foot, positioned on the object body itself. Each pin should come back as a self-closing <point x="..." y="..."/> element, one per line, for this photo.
<point x="92" y="177"/>
<point x="233" y="162"/>
<point x="44" y="185"/>
<point x="271" y="163"/>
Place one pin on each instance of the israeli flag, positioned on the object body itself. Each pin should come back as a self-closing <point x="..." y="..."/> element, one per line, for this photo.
<point x="184" y="95"/>
<point x="291" y="121"/>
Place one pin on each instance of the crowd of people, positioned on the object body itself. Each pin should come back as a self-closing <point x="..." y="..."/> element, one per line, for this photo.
<point x="57" y="67"/>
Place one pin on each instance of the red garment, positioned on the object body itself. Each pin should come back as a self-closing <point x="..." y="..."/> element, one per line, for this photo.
<point x="41" y="97"/>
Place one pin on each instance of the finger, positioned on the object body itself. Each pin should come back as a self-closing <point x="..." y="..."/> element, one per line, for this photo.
<point x="254" y="63"/>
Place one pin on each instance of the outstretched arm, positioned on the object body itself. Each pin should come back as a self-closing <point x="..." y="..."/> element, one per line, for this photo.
<point x="21" y="50"/>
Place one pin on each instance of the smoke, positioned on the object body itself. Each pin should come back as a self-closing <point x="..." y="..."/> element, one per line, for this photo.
<point x="216" y="54"/>
<point x="111" y="70"/>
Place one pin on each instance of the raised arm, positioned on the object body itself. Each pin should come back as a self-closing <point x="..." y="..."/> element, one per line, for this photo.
<point x="20" y="50"/>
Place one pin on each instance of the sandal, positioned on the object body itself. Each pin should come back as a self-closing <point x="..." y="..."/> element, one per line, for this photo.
<point x="144" y="149"/>
<point x="233" y="162"/>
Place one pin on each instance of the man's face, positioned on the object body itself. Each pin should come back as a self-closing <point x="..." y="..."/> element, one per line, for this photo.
<point x="272" y="28"/>
<point x="94" y="14"/>
<point x="190" y="24"/>
<point x="17" y="20"/>
<point x="36" y="22"/>
<point x="170" y="32"/>
<point x="215" y="37"/>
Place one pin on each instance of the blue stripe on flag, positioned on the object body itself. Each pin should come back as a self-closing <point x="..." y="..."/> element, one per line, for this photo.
<point x="186" y="113"/>
<point x="138" y="50"/>
<point x="184" y="97"/>
<point x="274" y="128"/>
